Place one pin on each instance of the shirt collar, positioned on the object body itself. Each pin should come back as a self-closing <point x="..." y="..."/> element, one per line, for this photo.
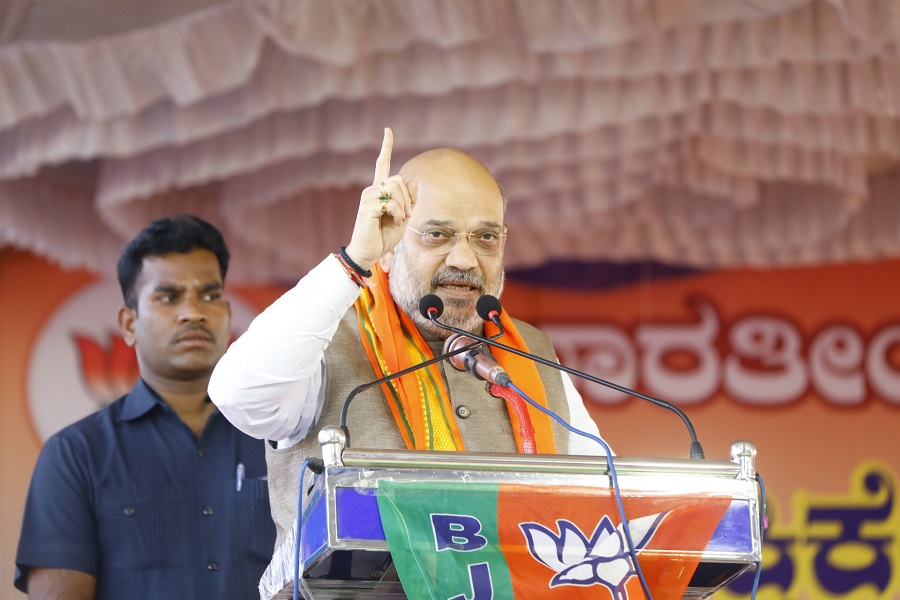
<point x="141" y="400"/>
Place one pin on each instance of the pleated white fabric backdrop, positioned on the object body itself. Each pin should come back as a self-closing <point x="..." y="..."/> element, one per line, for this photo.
<point x="708" y="133"/>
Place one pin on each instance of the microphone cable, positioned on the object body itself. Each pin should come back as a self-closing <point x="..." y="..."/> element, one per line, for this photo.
<point x="762" y="531"/>
<point x="488" y="308"/>
<point x="613" y="476"/>
<point x="315" y="465"/>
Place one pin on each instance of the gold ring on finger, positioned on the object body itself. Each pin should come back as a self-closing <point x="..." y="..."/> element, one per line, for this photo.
<point x="384" y="201"/>
<point x="381" y="189"/>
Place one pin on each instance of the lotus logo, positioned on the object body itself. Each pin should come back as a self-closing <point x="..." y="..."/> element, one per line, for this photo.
<point x="603" y="559"/>
<point x="107" y="372"/>
<point x="79" y="361"/>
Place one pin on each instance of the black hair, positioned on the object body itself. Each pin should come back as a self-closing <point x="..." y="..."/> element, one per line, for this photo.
<point x="179" y="234"/>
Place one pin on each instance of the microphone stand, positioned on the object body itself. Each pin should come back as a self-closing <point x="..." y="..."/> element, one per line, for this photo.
<point x="364" y="386"/>
<point x="696" y="448"/>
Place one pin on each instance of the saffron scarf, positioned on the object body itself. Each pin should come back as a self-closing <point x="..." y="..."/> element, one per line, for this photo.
<point x="420" y="401"/>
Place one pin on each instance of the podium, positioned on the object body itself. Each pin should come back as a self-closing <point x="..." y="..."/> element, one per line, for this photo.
<point x="344" y="552"/>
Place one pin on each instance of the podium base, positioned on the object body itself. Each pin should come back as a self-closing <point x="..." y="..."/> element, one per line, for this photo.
<point x="344" y="551"/>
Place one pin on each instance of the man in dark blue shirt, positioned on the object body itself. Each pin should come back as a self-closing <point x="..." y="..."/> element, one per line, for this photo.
<point x="156" y="496"/>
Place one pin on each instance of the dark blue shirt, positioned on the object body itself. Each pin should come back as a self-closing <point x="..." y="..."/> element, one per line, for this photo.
<point x="132" y="497"/>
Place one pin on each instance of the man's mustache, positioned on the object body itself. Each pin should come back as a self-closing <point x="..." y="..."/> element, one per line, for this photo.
<point x="192" y="329"/>
<point x="456" y="276"/>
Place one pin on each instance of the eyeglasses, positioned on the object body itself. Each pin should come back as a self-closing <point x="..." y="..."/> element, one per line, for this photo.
<point x="441" y="240"/>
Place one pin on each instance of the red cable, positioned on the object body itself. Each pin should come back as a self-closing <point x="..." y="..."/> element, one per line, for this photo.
<point x="526" y="429"/>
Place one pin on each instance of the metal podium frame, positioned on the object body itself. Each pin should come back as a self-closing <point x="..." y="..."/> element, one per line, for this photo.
<point x="355" y="548"/>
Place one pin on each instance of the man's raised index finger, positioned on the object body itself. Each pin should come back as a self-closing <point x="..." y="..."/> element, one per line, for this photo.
<point x="383" y="164"/>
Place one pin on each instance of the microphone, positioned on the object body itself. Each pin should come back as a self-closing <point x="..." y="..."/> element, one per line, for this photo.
<point x="448" y="353"/>
<point x="696" y="448"/>
<point x="489" y="309"/>
<point x="474" y="361"/>
<point x="431" y="305"/>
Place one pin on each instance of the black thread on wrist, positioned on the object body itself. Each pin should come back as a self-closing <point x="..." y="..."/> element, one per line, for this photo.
<point x="362" y="272"/>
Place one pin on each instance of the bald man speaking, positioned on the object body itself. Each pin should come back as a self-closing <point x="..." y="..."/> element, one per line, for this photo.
<point x="436" y="227"/>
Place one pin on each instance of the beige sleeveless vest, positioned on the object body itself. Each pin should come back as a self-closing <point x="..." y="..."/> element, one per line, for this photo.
<point x="486" y="427"/>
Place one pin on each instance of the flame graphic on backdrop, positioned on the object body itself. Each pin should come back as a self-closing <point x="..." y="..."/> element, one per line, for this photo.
<point x="107" y="371"/>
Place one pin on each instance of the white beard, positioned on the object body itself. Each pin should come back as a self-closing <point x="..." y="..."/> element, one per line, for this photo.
<point x="407" y="292"/>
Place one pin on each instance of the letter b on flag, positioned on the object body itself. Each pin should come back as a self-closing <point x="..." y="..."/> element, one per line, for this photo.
<point x="457" y="532"/>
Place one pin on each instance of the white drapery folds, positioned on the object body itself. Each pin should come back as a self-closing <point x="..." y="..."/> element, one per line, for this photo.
<point x="709" y="133"/>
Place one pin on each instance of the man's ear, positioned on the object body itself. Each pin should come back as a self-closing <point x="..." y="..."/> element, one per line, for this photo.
<point x="386" y="261"/>
<point x="126" y="318"/>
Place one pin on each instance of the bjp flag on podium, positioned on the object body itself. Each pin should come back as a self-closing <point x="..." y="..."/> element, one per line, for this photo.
<point x="475" y="541"/>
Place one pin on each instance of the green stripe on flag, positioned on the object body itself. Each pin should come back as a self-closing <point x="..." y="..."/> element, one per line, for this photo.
<point x="436" y="532"/>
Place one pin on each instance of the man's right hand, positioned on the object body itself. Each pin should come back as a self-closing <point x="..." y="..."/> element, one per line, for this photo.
<point x="381" y="225"/>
